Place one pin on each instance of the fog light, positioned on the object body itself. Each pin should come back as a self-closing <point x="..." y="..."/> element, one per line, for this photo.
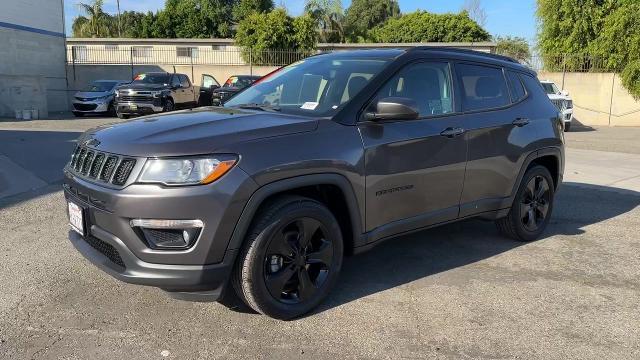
<point x="169" y="234"/>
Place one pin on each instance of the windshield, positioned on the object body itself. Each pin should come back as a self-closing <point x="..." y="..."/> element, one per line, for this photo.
<point x="152" y="79"/>
<point x="317" y="86"/>
<point x="550" y="88"/>
<point x="101" y="86"/>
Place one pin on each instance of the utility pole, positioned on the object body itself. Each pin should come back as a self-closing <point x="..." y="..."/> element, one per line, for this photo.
<point x="119" y="23"/>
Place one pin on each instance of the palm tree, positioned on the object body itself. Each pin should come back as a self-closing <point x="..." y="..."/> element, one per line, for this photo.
<point x="95" y="23"/>
<point x="329" y="16"/>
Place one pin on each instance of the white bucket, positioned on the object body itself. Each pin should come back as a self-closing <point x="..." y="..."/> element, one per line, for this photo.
<point x="26" y="114"/>
<point x="18" y="114"/>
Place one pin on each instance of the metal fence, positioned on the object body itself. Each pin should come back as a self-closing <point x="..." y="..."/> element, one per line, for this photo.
<point x="150" y="55"/>
<point x="572" y="63"/>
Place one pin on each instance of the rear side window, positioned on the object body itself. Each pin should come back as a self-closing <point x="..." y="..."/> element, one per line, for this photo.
<point x="515" y="85"/>
<point x="533" y="85"/>
<point x="483" y="87"/>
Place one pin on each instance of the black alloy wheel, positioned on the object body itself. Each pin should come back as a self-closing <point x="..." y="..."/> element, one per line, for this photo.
<point x="534" y="205"/>
<point x="298" y="261"/>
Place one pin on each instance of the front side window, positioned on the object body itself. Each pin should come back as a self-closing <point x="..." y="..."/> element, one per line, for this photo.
<point x="315" y="86"/>
<point x="175" y="81"/>
<point x="483" y="87"/>
<point x="209" y="81"/>
<point x="184" y="81"/>
<point x="428" y="84"/>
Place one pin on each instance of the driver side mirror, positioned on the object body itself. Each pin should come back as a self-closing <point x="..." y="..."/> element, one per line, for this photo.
<point x="394" y="108"/>
<point x="564" y="93"/>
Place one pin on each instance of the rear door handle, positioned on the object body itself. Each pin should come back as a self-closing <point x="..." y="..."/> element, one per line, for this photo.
<point x="520" y="122"/>
<point x="452" y="132"/>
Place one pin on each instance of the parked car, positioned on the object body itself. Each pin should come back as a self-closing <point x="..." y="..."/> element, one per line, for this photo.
<point x="232" y="86"/>
<point x="262" y="201"/>
<point x="98" y="98"/>
<point x="209" y="84"/>
<point x="155" y="92"/>
<point x="561" y="100"/>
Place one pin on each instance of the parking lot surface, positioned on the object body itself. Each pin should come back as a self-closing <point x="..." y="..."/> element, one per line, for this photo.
<point x="459" y="291"/>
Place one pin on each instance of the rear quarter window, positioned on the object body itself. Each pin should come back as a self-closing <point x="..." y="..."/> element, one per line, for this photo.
<point x="483" y="87"/>
<point x="515" y="85"/>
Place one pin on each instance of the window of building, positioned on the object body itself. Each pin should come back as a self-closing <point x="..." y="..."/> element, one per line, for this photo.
<point x="187" y="52"/>
<point x="428" y="84"/>
<point x="483" y="87"/>
<point x="80" y="53"/>
<point x="142" y="51"/>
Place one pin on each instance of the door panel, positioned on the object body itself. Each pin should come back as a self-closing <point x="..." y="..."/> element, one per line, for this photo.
<point x="414" y="174"/>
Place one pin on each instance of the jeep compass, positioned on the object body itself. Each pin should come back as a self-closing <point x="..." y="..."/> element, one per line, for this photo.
<point x="262" y="199"/>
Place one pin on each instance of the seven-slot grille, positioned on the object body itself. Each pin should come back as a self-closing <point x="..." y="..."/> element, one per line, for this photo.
<point x="559" y="104"/>
<point x="104" y="167"/>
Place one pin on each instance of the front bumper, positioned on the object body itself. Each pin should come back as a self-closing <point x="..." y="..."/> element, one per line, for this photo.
<point x="118" y="249"/>
<point x="136" y="108"/>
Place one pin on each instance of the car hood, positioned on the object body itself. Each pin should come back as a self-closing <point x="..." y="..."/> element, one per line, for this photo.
<point x="92" y="94"/>
<point x="557" y="97"/>
<point x="147" y="87"/>
<point x="192" y="132"/>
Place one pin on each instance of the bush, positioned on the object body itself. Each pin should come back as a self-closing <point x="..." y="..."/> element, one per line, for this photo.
<point x="422" y="26"/>
<point x="631" y="79"/>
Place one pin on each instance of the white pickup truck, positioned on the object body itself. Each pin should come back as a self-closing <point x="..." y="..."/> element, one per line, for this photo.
<point x="561" y="100"/>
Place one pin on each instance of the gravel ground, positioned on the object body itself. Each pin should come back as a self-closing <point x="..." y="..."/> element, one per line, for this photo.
<point x="459" y="291"/>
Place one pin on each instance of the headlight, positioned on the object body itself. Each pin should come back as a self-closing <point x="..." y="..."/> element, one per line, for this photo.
<point x="156" y="93"/>
<point x="186" y="171"/>
<point x="117" y="93"/>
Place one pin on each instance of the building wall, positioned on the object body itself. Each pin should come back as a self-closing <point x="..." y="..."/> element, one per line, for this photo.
<point x="32" y="53"/>
<point x="599" y="99"/>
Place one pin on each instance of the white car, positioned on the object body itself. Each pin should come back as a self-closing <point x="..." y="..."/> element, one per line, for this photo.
<point x="561" y="100"/>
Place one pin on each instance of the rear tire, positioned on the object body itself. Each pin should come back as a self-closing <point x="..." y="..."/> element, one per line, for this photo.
<point x="531" y="208"/>
<point x="111" y="110"/>
<point x="122" y="116"/>
<point x="291" y="258"/>
<point x="78" y="114"/>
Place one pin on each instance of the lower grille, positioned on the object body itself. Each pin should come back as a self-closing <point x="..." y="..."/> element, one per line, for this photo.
<point x="105" y="249"/>
<point x="85" y="107"/>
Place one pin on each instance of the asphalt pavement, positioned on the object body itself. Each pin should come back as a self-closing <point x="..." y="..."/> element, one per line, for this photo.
<point x="459" y="291"/>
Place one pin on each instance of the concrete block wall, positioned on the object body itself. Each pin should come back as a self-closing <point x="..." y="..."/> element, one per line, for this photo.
<point x="599" y="99"/>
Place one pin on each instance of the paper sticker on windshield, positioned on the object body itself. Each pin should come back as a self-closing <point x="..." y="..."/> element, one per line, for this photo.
<point x="140" y="77"/>
<point x="309" y="105"/>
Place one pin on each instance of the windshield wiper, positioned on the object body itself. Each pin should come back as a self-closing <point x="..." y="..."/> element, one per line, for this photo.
<point x="261" y="107"/>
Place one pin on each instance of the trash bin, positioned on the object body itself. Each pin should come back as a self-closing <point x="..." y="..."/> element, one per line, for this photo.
<point x="26" y="114"/>
<point x="18" y="114"/>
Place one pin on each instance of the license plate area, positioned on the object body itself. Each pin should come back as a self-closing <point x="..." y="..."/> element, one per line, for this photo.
<point x="76" y="218"/>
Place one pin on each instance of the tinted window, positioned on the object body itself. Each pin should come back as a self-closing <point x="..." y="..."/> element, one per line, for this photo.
<point x="175" y="80"/>
<point x="533" y="85"/>
<point x="184" y="81"/>
<point x="483" y="87"/>
<point x="428" y="84"/>
<point x="101" y="86"/>
<point x="516" y="87"/>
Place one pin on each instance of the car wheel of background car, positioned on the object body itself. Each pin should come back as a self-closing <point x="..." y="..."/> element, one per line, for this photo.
<point x="122" y="116"/>
<point x="291" y="258"/>
<point x="78" y="114"/>
<point x="532" y="207"/>
<point x="168" y="106"/>
<point x="567" y="127"/>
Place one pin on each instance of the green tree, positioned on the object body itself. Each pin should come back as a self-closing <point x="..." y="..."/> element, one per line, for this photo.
<point x="244" y="8"/>
<point x="364" y="15"/>
<point x="328" y="15"/>
<point x="94" y="23"/>
<point x="515" y="47"/>
<point x="275" y="30"/>
<point x="195" y="19"/>
<point x="422" y="26"/>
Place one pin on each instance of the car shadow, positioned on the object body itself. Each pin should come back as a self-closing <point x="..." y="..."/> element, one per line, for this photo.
<point x="577" y="126"/>
<point x="405" y="259"/>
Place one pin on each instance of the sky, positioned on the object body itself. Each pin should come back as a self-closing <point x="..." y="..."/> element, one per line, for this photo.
<point x="515" y="17"/>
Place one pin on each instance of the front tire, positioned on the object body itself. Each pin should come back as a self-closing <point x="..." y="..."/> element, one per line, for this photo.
<point x="122" y="116"/>
<point x="531" y="208"/>
<point x="168" y="106"/>
<point x="567" y="126"/>
<point x="291" y="258"/>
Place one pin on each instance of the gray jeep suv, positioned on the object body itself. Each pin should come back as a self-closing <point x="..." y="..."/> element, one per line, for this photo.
<point x="330" y="156"/>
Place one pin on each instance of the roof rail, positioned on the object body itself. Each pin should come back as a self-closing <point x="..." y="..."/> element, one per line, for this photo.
<point x="465" y="51"/>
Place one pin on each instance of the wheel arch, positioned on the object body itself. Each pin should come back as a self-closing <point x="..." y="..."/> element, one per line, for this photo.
<point x="551" y="158"/>
<point x="333" y="190"/>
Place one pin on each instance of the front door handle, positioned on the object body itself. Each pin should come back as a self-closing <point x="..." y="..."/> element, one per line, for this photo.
<point x="452" y="132"/>
<point x="520" y="122"/>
